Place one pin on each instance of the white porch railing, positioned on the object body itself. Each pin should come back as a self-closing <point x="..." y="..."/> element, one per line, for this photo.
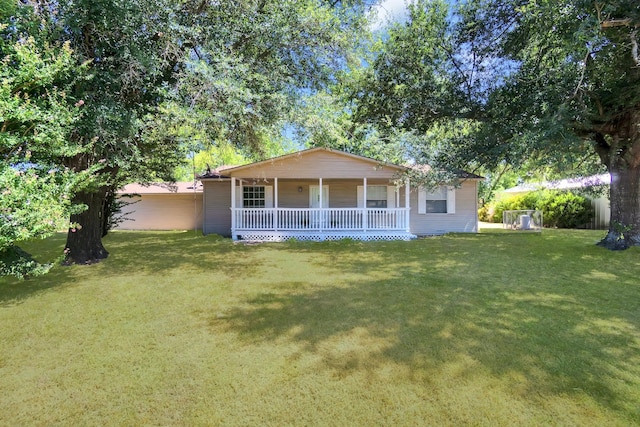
<point x="325" y="219"/>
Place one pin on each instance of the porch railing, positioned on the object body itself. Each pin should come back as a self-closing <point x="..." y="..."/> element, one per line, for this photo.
<point x="325" y="219"/>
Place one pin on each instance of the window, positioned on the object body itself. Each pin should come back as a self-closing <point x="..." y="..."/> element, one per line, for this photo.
<point x="377" y="196"/>
<point x="437" y="201"/>
<point x="253" y="196"/>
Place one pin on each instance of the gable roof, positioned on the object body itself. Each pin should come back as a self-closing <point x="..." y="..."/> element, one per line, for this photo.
<point x="308" y="152"/>
<point x="217" y="173"/>
<point x="319" y="162"/>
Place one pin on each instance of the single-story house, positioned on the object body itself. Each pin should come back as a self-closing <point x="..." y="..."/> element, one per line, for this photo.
<point x="161" y="206"/>
<point x="325" y="194"/>
<point x="600" y="203"/>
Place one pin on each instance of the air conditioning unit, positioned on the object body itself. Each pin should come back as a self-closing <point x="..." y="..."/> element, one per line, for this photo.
<point x="522" y="220"/>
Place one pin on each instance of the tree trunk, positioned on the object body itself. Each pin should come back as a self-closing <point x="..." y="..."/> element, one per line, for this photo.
<point x="84" y="240"/>
<point x="621" y="155"/>
<point x="624" y="224"/>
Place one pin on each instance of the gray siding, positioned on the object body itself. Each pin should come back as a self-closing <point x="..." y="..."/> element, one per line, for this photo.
<point x="343" y="194"/>
<point x="217" y="206"/>
<point x="465" y="218"/>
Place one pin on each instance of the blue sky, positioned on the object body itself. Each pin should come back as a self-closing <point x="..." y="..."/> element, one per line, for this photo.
<point x="389" y="10"/>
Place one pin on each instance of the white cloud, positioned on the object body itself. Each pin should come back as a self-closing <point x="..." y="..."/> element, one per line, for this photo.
<point x="387" y="11"/>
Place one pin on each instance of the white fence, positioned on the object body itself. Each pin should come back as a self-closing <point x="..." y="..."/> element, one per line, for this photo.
<point x="331" y="219"/>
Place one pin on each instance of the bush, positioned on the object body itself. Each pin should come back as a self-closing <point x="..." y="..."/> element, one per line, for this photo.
<point x="561" y="209"/>
<point x="16" y="262"/>
<point x="484" y="214"/>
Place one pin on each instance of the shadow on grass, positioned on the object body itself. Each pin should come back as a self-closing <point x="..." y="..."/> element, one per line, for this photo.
<point x="14" y="290"/>
<point x="130" y="253"/>
<point x="537" y="325"/>
<point x="158" y="253"/>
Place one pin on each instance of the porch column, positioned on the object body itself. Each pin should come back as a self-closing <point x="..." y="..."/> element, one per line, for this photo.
<point x="275" y="204"/>
<point x="233" y="209"/>
<point x="407" y="204"/>
<point x="365" y="215"/>
<point x="321" y="216"/>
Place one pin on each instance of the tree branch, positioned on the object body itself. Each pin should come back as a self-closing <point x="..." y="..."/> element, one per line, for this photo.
<point x="611" y="23"/>
<point x="584" y="70"/>
<point x="634" y="47"/>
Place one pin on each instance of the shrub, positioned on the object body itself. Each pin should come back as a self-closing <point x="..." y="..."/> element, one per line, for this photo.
<point x="16" y="262"/>
<point x="484" y="214"/>
<point x="565" y="209"/>
<point x="561" y="209"/>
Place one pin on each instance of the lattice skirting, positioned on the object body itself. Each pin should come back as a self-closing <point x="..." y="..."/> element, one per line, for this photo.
<point x="266" y="236"/>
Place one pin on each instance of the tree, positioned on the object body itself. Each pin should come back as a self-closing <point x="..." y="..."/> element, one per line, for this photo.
<point x="240" y="62"/>
<point x="550" y="81"/>
<point x="35" y="117"/>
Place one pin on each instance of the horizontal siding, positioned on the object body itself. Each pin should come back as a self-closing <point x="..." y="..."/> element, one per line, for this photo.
<point x="290" y="197"/>
<point x="217" y="203"/>
<point x="318" y="164"/>
<point x="343" y="193"/>
<point x="163" y="212"/>
<point x="465" y="218"/>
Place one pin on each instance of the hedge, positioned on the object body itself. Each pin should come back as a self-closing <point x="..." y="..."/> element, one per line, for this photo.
<point x="561" y="209"/>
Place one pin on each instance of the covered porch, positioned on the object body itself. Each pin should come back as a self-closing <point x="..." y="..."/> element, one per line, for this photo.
<point x="276" y="209"/>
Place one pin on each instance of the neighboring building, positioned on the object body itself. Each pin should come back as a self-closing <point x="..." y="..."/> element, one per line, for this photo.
<point x="600" y="204"/>
<point x="321" y="194"/>
<point x="162" y="206"/>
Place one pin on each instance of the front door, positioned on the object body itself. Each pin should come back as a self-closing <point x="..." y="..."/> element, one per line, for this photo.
<point x="314" y="196"/>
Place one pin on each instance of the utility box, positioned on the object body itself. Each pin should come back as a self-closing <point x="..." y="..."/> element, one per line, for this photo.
<point x="522" y="220"/>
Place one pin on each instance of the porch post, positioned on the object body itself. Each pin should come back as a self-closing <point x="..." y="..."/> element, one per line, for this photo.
<point x="233" y="209"/>
<point x="407" y="204"/>
<point x="321" y="216"/>
<point x="275" y="204"/>
<point x="365" y="215"/>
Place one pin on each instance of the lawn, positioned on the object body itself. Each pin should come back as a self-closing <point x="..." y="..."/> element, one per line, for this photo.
<point x="492" y="329"/>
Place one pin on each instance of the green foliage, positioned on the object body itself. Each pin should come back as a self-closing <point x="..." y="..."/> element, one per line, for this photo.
<point x="36" y="116"/>
<point x="36" y="113"/>
<point x="34" y="203"/>
<point x="551" y="85"/>
<point x="18" y="263"/>
<point x="484" y="214"/>
<point x="561" y="209"/>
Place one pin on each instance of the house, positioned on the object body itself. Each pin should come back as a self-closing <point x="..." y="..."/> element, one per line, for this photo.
<point x="325" y="194"/>
<point x="161" y="206"/>
<point x="599" y="202"/>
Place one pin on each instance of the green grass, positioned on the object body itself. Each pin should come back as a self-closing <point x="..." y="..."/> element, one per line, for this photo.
<point x="177" y="329"/>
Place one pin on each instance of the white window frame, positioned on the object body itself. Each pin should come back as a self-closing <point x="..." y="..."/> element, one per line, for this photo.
<point x="449" y="195"/>
<point x="391" y="196"/>
<point x="268" y="197"/>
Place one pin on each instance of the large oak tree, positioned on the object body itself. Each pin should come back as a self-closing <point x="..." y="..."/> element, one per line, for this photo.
<point x="237" y="66"/>
<point x="514" y="80"/>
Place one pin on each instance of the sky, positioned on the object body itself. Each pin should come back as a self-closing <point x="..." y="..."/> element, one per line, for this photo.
<point x="389" y="10"/>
